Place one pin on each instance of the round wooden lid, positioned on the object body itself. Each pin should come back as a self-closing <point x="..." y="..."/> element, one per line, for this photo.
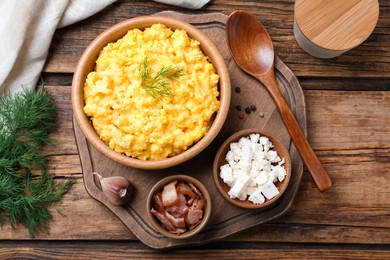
<point x="336" y="24"/>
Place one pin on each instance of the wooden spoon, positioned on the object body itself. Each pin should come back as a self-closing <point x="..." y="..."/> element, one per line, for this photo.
<point x="252" y="49"/>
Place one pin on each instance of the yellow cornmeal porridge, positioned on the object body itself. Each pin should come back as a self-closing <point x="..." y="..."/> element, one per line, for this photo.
<point x="133" y="122"/>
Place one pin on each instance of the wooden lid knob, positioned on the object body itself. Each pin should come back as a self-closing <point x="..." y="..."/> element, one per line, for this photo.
<point x="336" y="25"/>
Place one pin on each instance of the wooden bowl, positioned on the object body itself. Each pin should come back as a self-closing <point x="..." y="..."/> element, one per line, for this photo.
<point x="87" y="63"/>
<point x="159" y="186"/>
<point x="220" y="160"/>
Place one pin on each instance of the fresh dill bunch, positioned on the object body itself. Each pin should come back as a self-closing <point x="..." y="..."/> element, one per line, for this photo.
<point x="159" y="84"/>
<point x="29" y="200"/>
<point x="25" y="121"/>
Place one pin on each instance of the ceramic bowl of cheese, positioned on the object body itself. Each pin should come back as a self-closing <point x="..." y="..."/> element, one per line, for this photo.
<point x="252" y="169"/>
<point x="151" y="92"/>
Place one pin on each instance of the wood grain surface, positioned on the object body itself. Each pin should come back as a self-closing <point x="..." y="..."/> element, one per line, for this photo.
<point x="348" y="114"/>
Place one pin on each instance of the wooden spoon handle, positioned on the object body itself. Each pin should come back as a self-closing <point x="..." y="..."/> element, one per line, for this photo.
<point x="317" y="171"/>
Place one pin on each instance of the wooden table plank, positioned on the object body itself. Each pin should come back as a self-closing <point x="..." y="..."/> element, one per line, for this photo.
<point x="371" y="59"/>
<point x="348" y="120"/>
<point x="128" y="250"/>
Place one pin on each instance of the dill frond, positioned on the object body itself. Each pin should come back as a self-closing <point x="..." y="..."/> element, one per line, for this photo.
<point x="25" y="121"/>
<point x="159" y="84"/>
<point x="31" y="209"/>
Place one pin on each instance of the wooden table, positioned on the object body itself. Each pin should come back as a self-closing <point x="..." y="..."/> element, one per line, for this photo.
<point x="348" y="119"/>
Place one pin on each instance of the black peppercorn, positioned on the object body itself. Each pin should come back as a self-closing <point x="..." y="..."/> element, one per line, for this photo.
<point x="238" y="107"/>
<point x="253" y="108"/>
<point x="248" y="110"/>
<point x="237" y="89"/>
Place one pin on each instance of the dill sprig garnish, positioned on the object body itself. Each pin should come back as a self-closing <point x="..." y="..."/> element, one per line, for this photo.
<point x="159" y="84"/>
<point x="25" y="121"/>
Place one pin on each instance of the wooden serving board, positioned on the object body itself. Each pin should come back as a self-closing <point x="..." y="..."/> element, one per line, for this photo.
<point x="226" y="218"/>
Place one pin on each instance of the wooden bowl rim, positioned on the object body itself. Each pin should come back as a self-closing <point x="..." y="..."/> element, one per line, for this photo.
<point x="86" y="64"/>
<point x="221" y="152"/>
<point x="159" y="185"/>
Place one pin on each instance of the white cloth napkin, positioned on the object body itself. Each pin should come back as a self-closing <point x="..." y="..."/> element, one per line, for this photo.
<point x="27" y="28"/>
<point x="191" y="4"/>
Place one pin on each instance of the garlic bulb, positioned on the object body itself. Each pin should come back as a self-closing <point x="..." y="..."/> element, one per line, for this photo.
<point x="117" y="189"/>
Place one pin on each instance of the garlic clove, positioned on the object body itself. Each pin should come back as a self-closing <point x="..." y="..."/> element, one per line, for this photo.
<point x="117" y="189"/>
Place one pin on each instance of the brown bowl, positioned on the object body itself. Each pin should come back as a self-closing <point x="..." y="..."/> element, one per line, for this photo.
<point x="159" y="186"/>
<point x="87" y="62"/>
<point x="220" y="160"/>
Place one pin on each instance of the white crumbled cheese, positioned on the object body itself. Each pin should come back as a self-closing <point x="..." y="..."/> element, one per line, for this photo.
<point x="260" y="155"/>
<point x="254" y="138"/>
<point x="269" y="190"/>
<point x="229" y="156"/>
<point x="281" y="172"/>
<point x="250" y="190"/>
<point x="272" y="156"/>
<point x="243" y="195"/>
<point x="256" y="197"/>
<point x="226" y="174"/>
<point x="240" y="186"/>
<point x="262" y="178"/>
<point x="273" y="175"/>
<point x="252" y="169"/>
<point x="264" y="140"/>
<point x="281" y="162"/>
<point x="264" y="165"/>
<point x="244" y="165"/>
